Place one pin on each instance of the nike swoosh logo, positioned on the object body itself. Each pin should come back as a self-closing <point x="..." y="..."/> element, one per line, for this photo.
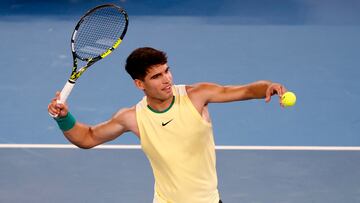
<point x="164" y="124"/>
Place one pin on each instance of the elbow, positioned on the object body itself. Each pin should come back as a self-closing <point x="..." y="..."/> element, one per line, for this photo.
<point x="85" y="146"/>
<point x="82" y="140"/>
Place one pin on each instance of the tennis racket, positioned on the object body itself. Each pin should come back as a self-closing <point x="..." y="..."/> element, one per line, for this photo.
<point x="96" y="35"/>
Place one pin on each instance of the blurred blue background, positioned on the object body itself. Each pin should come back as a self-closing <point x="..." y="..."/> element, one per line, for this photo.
<point x="310" y="46"/>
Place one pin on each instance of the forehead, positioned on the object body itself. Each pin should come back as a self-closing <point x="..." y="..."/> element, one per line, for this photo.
<point x="155" y="69"/>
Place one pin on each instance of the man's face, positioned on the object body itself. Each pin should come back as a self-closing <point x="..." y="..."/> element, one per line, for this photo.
<point x="157" y="83"/>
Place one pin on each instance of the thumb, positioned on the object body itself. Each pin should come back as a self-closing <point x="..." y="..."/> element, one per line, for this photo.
<point x="267" y="99"/>
<point x="57" y="95"/>
<point x="268" y="95"/>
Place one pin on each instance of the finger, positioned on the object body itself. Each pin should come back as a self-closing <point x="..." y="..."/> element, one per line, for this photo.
<point x="52" y="105"/>
<point x="280" y="100"/>
<point x="282" y="90"/>
<point x="52" y="110"/>
<point x="268" y="95"/>
<point x="63" y="111"/>
<point x="49" y="108"/>
<point x="58" y="95"/>
<point x="267" y="99"/>
<point x="277" y="90"/>
<point x="53" y="114"/>
<point x="60" y="106"/>
<point x="57" y="107"/>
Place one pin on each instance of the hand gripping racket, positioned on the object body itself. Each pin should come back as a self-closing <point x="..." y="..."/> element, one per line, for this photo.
<point x="96" y="35"/>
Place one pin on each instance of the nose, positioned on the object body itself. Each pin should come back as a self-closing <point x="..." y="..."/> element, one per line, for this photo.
<point x="167" y="78"/>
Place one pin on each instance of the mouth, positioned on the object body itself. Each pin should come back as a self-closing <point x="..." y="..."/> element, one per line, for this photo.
<point x="167" y="88"/>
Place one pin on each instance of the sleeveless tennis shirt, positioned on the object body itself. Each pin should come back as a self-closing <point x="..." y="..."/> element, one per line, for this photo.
<point x="180" y="146"/>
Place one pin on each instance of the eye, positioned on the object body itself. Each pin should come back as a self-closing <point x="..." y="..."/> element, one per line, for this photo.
<point x="155" y="76"/>
<point x="167" y="70"/>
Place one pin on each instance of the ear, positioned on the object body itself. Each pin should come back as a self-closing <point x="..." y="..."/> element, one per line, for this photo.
<point x="139" y="84"/>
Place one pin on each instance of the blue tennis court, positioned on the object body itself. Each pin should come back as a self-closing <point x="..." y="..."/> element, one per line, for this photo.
<point x="124" y="175"/>
<point x="311" y="47"/>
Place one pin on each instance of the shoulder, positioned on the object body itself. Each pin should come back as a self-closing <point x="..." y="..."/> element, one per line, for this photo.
<point x="126" y="117"/>
<point x="199" y="93"/>
<point x="202" y="89"/>
<point x="125" y="112"/>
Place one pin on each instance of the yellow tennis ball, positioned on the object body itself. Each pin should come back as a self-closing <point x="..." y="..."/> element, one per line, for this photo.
<point x="288" y="99"/>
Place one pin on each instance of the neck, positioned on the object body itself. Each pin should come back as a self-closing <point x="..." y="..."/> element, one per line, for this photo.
<point x="159" y="106"/>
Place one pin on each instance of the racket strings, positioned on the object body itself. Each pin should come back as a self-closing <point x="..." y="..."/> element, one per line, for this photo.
<point x="98" y="32"/>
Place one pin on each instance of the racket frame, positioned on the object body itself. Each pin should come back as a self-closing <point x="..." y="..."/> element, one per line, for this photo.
<point x="76" y="73"/>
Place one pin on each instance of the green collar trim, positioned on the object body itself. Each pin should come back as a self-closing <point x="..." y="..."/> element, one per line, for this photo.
<point x="156" y="111"/>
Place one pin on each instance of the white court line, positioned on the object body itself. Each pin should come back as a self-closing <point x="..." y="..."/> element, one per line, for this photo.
<point x="223" y="147"/>
<point x="65" y="146"/>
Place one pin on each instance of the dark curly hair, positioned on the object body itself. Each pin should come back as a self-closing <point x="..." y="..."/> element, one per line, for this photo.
<point x="141" y="59"/>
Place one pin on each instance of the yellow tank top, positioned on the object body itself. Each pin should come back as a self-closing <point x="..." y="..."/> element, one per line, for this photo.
<point x="180" y="146"/>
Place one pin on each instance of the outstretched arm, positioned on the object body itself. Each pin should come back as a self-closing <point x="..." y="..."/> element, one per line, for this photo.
<point x="85" y="136"/>
<point x="213" y="93"/>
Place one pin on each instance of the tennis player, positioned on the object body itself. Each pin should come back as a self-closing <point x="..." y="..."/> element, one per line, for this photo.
<point x="172" y="123"/>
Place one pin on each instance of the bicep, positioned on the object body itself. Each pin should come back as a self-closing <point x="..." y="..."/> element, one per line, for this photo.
<point x="229" y="93"/>
<point x="106" y="131"/>
<point x="110" y="129"/>
<point x="215" y="93"/>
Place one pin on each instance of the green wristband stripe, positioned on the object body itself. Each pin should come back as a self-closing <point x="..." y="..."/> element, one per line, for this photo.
<point x="66" y="123"/>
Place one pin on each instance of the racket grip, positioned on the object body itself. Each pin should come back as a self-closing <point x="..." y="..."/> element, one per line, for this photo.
<point x="65" y="92"/>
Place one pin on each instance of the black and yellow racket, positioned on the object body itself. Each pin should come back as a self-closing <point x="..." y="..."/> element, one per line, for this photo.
<point x="96" y="35"/>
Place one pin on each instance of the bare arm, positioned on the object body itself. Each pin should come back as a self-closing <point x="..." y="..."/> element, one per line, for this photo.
<point x="85" y="136"/>
<point x="204" y="93"/>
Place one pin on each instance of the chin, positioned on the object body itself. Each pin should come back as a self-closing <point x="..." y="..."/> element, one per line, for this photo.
<point x="168" y="95"/>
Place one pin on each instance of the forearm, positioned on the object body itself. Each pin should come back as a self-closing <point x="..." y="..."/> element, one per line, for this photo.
<point x="214" y="93"/>
<point x="85" y="136"/>
<point x="257" y="90"/>
<point x="80" y="135"/>
<point x="77" y="133"/>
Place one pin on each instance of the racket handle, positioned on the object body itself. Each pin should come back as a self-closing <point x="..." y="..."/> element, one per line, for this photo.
<point x="65" y="92"/>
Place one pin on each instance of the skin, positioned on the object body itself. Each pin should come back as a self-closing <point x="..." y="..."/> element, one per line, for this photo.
<point x="157" y="87"/>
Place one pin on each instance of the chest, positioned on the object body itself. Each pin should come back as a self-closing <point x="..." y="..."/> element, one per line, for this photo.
<point x="181" y="130"/>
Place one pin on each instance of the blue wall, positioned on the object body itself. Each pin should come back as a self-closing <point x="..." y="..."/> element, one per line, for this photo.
<point x="311" y="47"/>
<point x="242" y="11"/>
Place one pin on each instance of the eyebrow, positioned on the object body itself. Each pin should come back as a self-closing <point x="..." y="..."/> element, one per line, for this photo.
<point x="154" y="76"/>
